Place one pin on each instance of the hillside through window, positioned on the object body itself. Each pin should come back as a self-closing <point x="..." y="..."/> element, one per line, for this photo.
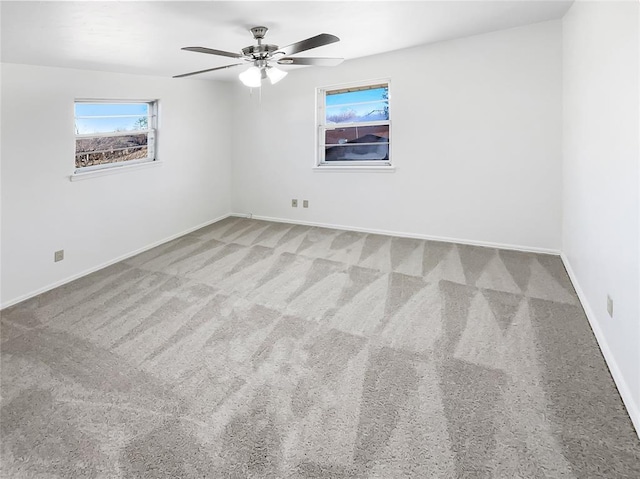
<point x="354" y="125"/>
<point x="111" y="133"/>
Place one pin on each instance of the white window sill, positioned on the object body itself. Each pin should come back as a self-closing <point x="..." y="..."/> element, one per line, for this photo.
<point x="85" y="175"/>
<point x="381" y="169"/>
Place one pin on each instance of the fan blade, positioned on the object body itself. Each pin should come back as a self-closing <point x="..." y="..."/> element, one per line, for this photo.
<point x="211" y="51"/>
<point x="208" y="70"/>
<point x="308" y="44"/>
<point x="319" y="62"/>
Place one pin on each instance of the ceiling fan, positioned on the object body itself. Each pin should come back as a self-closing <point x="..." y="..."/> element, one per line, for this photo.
<point x="261" y="56"/>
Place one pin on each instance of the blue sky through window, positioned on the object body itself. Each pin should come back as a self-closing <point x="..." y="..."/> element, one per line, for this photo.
<point x="357" y="106"/>
<point x="109" y="117"/>
<point x="372" y="94"/>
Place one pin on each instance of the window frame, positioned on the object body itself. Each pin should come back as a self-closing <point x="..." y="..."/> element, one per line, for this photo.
<point x="151" y="131"/>
<point x="322" y="127"/>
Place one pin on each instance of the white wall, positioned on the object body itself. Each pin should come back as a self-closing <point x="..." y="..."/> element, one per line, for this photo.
<point x="476" y="127"/>
<point x="600" y="229"/>
<point x="101" y="219"/>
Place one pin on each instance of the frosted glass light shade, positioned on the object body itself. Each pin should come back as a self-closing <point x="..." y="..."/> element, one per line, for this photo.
<point x="251" y="77"/>
<point x="275" y="74"/>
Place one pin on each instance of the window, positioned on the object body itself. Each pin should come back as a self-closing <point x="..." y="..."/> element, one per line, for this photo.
<point x="353" y="125"/>
<point x="111" y="133"/>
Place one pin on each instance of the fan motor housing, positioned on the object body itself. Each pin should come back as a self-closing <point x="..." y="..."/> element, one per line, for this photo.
<point x="259" y="51"/>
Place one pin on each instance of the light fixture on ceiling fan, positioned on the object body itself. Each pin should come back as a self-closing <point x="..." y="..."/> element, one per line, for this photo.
<point x="253" y="76"/>
<point x="261" y="55"/>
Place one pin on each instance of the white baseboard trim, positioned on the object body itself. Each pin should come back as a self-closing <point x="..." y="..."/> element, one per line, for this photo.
<point x="487" y="244"/>
<point x="51" y="286"/>
<point x="625" y="393"/>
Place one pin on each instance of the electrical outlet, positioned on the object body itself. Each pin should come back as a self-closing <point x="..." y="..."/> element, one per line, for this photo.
<point x="58" y="256"/>
<point x="294" y="203"/>
<point x="305" y="203"/>
<point x="610" y="306"/>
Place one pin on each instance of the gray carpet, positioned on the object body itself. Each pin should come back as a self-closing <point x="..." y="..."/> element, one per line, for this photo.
<point x="257" y="349"/>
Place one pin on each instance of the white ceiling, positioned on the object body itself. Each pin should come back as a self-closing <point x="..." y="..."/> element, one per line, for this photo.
<point x="146" y="37"/>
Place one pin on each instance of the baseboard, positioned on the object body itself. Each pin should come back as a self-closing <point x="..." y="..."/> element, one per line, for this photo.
<point x="104" y="265"/>
<point x="625" y="393"/>
<point x="487" y="244"/>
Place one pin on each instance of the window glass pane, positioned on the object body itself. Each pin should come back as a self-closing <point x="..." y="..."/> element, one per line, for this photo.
<point x="111" y="109"/>
<point x="104" y="150"/>
<point x="357" y="134"/>
<point x="366" y="95"/>
<point x="110" y="125"/>
<point x="357" y="113"/>
<point x="347" y="107"/>
<point x="355" y="152"/>
<point x="110" y="117"/>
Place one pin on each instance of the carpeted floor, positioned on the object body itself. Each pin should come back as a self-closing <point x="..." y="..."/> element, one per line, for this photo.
<point x="257" y="349"/>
